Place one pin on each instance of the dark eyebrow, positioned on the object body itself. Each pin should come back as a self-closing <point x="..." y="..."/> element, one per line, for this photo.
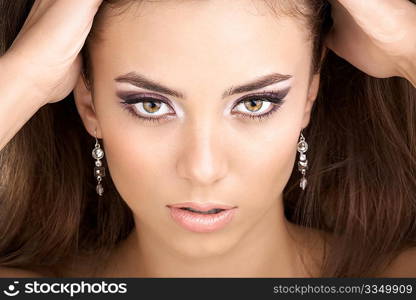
<point x="141" y="81"/>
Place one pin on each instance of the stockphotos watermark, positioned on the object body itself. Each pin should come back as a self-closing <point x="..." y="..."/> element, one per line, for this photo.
<point x="71" y="289"/>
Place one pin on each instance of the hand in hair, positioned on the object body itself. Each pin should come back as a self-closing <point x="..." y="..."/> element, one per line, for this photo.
<point x="376" y="36"/>
<point x="46" y="51"/>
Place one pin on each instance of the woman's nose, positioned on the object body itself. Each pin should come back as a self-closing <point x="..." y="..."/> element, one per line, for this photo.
<point x="203" y="160"/>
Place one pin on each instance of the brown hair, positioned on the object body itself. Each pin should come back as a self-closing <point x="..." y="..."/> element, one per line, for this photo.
<point x="361" y="176"/>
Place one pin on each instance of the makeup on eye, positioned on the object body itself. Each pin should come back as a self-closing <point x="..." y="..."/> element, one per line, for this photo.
<point x="141" y="81"/>
<point x="274" y="99"/>
<point x="271" y="99"/>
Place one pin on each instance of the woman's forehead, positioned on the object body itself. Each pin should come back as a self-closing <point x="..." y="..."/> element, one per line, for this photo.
<point x="202" y="41"/>
<point x="118" y="10"/>
<point x="199" y="21"/>
<point x="290" y="7"/>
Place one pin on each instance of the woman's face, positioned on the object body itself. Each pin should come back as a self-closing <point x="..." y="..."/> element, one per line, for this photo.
<point x="201" y="144"/>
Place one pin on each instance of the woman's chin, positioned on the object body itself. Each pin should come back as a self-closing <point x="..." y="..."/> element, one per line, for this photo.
<point x="203" y="246"/>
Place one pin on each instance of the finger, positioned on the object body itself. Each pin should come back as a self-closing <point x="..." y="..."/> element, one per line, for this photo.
<point x="358" y="6"/>
<point x="386" y="21"/>
<point x="40" y="7"/>
<point x="375" y="11"/>
<point x="59" y="19"/>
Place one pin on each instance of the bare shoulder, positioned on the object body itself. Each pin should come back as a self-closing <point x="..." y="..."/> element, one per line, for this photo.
<point x="403" y="265"/>
<point x="19" y="273"/>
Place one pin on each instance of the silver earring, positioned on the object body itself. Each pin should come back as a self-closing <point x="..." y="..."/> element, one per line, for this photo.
<point x="99" y="170"/>
<point x="302" y="163"/>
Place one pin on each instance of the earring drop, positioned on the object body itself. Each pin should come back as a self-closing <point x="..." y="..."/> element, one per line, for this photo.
<point x="302" y="163"/>
<point x="99" y="170"/>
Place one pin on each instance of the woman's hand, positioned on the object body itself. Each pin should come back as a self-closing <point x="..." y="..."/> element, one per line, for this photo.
<point x="376" y="36"/>
<point x="46" y="51"/>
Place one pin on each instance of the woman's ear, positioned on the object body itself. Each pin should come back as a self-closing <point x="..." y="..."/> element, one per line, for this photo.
<point x="313" y="89"/>
<point x="85" y="105"/>
<point x="311" y="97"/>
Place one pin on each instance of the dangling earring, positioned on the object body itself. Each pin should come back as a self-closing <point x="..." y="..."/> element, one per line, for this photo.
<point x="99" y="170"/>
<point x="302" y="163"/>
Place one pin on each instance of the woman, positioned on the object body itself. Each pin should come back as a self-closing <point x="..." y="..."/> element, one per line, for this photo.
<point x="195" y="112"/>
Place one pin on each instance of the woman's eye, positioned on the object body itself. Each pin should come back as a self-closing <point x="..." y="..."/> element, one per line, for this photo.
<point x="254" y="105"/>
<point x="148" y="109"/>
<point x="152" y="108"/>
<point x="260" y="106"/>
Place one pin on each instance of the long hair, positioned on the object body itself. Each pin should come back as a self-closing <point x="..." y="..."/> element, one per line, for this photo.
<point x="361" y="172"/>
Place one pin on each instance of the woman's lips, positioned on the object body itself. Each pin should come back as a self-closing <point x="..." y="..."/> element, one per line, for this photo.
<point x="199" y="222"/>
<point x="202" y="206"/>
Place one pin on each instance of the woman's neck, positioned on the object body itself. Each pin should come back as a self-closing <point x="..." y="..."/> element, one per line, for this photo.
<point x="270" y="248"/>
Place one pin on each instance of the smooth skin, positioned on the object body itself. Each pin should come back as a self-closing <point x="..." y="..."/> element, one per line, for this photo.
<point x="376" y="36"/>
<point x="43" y="68"/>
<point x="205" y="149"/>
<point x="57" y="55"/>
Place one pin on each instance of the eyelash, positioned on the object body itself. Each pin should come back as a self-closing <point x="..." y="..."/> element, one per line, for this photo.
<point x="274" y="97"/>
